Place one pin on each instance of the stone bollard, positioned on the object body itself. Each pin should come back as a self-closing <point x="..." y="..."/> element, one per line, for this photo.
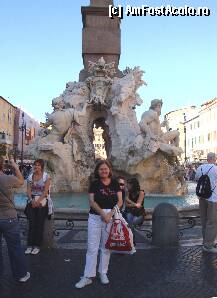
<point x="48" y="238"/>
<point x="165" y="221"/>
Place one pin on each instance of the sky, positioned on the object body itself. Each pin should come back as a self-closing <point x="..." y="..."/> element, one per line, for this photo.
<point x="40" y="51"/>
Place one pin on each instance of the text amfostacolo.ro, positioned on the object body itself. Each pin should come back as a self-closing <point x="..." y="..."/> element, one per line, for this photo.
<point x="168" y="10"/>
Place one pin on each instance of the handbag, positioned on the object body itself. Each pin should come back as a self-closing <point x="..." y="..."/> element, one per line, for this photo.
<point x="120" y="236"/>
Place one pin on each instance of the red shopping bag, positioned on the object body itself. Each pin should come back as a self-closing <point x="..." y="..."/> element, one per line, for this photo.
<point x="119" y="237"/>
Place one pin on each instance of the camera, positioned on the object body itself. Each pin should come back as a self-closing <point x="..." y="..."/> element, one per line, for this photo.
<point x="8" y="169"/>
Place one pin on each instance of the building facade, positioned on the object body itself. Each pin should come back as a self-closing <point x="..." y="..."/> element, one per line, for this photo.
<point x="202" y="132"/>
<point x="7" y="119"/>
<point x="198" y="130"/>
<point x="17" y="129"/>
<point x="26" y="129"/>
<point x="176" y="120"/>
<point x="99" y="143"/>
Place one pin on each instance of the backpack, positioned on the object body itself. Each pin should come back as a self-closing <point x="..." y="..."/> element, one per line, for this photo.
<point x="203" y="188"/>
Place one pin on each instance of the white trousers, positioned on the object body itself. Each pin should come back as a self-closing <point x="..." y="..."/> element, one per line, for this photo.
<point x="98" y="232"/>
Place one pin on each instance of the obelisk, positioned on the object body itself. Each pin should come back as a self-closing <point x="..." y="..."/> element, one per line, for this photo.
<point x="101" y="36"/>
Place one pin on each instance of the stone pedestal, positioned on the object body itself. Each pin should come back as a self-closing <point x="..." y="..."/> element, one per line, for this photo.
<point x="165" y="221"/>
<point x="101" y="36"/>
<point x="101" y="3"/>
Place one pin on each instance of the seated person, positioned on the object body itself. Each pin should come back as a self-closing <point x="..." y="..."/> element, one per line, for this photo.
<point x="122" y="186"/>
<point x="134" y="211"/>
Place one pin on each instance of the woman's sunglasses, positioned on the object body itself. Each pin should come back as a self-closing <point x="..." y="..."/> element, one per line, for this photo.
<point x="121" y="184"/>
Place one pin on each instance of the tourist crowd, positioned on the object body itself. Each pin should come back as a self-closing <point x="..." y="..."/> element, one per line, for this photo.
<point x="107" y="197"/>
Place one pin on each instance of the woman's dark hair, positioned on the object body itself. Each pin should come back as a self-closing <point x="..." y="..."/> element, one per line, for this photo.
<point x="135" y="186"/>
<point x="2" y="160"/>
<point x="41" y="162"/>
<point x="102" y="162"/>
<point x="120" y="177"/>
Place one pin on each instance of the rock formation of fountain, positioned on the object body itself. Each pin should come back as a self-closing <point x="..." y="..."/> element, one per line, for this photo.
<point x="141" y="150"/>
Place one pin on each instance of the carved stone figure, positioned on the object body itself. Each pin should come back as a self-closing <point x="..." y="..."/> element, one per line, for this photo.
<point x="124" y="90"/>
<point x="100" y="81"/>
<point x="76" y="95"/>
<point x="136" y="149"/>
<point x="60" y="120"/>
<point x="150" y="125"/>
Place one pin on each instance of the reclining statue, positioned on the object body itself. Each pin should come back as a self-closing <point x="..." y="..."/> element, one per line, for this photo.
<point x="152" y="129"/>
<point x="61" y="120"/>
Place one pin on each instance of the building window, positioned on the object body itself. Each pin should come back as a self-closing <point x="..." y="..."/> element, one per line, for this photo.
<point x="198" y="124"/>
<point x="208" y="136"/>
<point x="191" y="127"/>
<point x="199" y="139"/>
<point x="192" y="143"/>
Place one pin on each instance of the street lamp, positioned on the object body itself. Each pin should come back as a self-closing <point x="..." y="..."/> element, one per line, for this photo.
<point x="185" y="135"/>
<point x="23" y="130"/>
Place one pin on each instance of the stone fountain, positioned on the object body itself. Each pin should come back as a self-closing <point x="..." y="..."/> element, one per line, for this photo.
<point x="107" y="97"/>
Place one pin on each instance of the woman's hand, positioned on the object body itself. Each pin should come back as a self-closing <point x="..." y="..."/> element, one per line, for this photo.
<point x="34" y="205"/>
<point x="12" y="162"/>
<point x="138" y="205"/>
<point x="37" y="203"/>
<point x="106" y="217"/>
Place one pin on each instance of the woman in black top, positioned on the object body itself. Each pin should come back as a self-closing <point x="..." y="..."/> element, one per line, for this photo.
<point x="104" y="194"/>
<point x="134" y="211"/>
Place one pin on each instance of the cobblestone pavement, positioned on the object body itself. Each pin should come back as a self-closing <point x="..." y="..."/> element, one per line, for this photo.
<point x="175" y="272"/>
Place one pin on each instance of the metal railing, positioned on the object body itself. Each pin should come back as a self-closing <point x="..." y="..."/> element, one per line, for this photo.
<point x="69" y="224"/>
<point x="190" y="222"/>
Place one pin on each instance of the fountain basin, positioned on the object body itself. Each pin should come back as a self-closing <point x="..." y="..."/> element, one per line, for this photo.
<point x="79" y="201"/>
